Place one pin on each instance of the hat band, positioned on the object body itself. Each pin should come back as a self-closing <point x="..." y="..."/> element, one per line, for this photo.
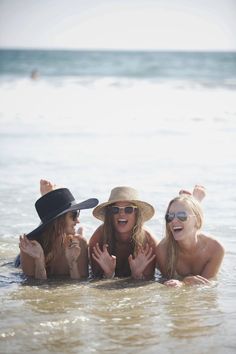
<point x="65" y="207"/>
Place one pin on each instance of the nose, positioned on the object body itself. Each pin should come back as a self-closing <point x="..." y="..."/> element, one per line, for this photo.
<point x="121" y="211"/>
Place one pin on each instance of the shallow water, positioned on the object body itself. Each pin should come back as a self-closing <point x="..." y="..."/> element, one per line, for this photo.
<point x="91" y="134"/>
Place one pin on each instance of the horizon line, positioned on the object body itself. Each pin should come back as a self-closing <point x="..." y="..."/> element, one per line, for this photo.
<point x="216" y="50"/>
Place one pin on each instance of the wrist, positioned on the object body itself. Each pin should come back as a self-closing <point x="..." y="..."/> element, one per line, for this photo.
<point x="109" y="275"/>
<point x="138" y="276"/>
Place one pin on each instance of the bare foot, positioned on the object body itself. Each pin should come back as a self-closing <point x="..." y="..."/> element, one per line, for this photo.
<point x="199" y="192"/>
<point x="46" y="186"/>
<point x="184" y="191"/>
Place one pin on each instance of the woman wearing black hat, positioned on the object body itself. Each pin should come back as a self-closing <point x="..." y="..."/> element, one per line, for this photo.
<point x="53" y="248"/>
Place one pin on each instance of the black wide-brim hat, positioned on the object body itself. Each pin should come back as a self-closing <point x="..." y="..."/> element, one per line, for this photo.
<point x="54" y="204"/>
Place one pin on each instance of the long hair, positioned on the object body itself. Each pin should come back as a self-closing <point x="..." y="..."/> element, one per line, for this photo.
<point x="137" y="236"/>
<point x="53" y="231"/>
<point x="172" y="244"/>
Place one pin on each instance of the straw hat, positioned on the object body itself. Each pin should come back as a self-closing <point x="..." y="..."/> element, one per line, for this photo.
<point x="56" y="203"/>
<point x="122" y="194"/>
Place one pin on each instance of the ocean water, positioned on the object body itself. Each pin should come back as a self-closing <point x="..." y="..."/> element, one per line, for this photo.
<point x="93" y="120"/>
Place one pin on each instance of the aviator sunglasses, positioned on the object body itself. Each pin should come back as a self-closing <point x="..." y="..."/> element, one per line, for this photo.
<point x="127" y="210"/>
<point x="180" y="215"/>
<point x="75" y="214"/>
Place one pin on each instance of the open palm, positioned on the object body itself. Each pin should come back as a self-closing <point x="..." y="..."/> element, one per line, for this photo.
<point x="138" y="264"/>
<point x="32" y="248"/>
<point x="104" y="259"/>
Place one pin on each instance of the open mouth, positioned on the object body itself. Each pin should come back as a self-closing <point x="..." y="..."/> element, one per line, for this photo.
<point x="122" y="221"/>
<point x="177" y="228"/>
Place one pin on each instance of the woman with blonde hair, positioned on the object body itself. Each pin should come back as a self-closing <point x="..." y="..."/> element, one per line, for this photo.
<point x="186" y="255"/>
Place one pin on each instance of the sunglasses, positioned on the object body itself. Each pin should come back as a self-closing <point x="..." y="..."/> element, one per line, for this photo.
<point x="75" y="215"/>
<point x="127" y="210"/>
<point x="180" y="215"/>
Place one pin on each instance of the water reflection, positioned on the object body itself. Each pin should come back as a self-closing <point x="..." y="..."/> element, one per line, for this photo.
<point x="120" y="315"/>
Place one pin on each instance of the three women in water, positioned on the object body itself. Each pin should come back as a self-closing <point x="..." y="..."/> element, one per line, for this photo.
<point x="122" y="246"/>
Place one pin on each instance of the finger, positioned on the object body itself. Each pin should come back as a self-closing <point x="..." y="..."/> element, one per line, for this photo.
<point x="96" y="258"/>
<point x="204" y="280"/>
<point x="80" y="231"/>
<point x="105" y="247"/>
<point x="149" y="252"/>
<point x="130" y="258"/>
<point x="151" y="259"/>
<point x="97" y="250"/>
<point x="74" y="246"/>
<point x="146" y="249"/>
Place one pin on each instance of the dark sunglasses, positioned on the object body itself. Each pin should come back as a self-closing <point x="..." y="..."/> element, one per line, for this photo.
<point x="181" y="215"/>
<point x="75" y="214"/>
<point x="127" y="210"/>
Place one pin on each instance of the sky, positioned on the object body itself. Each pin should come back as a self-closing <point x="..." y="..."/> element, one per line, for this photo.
<point x="119" y="24"/>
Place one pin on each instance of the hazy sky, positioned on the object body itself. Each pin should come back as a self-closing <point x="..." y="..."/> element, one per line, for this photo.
<point x="119" y="24"/>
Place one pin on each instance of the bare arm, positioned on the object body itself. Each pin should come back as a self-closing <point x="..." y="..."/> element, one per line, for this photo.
<point x="76" y="251"/>
<point x="97" y="271"/>
<point x="213" y="265"/>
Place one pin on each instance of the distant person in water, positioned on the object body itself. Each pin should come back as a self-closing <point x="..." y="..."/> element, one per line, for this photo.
<point x="122" y="246"/>
<point x="34" y="74"/>
<point x="54" y="248"/>
<point x="186" y="256"/>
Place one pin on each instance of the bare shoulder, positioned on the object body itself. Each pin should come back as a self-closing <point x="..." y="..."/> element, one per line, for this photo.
<point x="161" y="249"/>
<point x="150" y="235"/>
<point x="97" y="236"/>
<point x="212" y="244"/>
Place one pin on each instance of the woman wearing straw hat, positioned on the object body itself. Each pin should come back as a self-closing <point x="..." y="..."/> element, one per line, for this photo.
<point x="53" y="248"/>
<point x="122" y="246"/>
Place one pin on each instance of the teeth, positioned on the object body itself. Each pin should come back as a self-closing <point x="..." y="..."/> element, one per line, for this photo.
<point x="177" y="228"/>
<point x="122" y="221"/>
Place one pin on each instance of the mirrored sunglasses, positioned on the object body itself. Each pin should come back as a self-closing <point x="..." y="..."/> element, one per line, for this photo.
<point x="127" y="210"/>
<point x="180" y="215"/>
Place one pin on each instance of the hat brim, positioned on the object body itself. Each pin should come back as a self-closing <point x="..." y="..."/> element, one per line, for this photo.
<point x="86" y="204"/>
<point x="147" y="209"/>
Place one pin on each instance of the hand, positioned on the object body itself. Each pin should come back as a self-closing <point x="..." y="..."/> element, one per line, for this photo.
<point x="72" y="249"/>
<point x="32" y="248"/>
<point x="195" y="280"/>
<point x="103" y="258"/>
<point x="174" y="283"/>
<point x="199" y="192"/>
<point x="138" y="264"/>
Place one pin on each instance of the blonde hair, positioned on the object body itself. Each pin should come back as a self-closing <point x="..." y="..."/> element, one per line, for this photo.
<point x="137" y="237"/>
<point x="172" y="244"/>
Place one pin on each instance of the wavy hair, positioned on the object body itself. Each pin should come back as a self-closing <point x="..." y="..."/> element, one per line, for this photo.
<point x="172" y="244"/>
<point x="56" y="229"/>
<point x="137" y="237"/>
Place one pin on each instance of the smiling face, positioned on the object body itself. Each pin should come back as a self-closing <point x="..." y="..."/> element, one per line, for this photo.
<point x="124" y="222"/>
<point x="180" y="228"/>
